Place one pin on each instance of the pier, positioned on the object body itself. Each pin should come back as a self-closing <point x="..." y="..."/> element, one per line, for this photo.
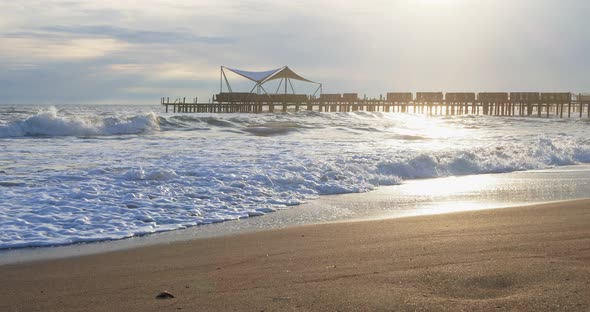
<point x="286" y="99"/>
<point x="430" y="103"/>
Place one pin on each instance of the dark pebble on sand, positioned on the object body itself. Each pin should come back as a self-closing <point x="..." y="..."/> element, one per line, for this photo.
<point x="164" y="295"/>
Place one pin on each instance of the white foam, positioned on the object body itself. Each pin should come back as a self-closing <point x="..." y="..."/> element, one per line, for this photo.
<point x="49" y="123"/>
<point x="57" y="191"/>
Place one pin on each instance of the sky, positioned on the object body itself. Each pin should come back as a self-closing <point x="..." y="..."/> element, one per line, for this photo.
<point x="124" y="52"/>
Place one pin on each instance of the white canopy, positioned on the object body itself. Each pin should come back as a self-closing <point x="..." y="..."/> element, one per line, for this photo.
<point x="285" y="74"/>
<point x="254" y="76"/>
<point x="263" y="76"/>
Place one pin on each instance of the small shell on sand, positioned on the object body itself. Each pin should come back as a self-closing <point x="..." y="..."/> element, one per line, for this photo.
<point x="164" y="295"/>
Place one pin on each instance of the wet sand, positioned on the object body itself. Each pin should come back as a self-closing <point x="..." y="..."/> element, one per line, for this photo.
<point x="533" y="258"/>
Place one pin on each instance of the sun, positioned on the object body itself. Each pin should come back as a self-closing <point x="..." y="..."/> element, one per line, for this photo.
<point x="433" y="2"/>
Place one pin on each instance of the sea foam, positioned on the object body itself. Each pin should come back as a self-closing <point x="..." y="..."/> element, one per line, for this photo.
<point x="206" y="169"/>
<point x="48" y="123"/>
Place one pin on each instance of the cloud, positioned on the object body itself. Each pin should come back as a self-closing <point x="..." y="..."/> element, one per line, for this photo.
<point x="35" y="49"/>
<point x="135" y="36"/>
<point x="90" y="51"/>
<point x="166" y="71"/>
<point x="93" y="81"/>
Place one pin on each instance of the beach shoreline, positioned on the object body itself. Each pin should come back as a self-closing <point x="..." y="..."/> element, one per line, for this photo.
<point x="524" y="258"/>
<point x="411" y="198"/>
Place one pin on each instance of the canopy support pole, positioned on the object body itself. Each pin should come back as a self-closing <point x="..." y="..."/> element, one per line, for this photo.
<point x="226" y="82"/>
<point x="318" y="89"/>
<point x="279" y="87"/>
<point x="250" y="93"/>
<point x="263" y="89"/>
<point x="292" y="89"/>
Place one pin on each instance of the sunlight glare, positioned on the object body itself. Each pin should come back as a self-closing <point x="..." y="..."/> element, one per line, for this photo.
<point x="433" y="2"/>
<point x="450" y="185"/>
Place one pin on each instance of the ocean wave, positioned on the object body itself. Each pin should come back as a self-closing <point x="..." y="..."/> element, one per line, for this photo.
<point x="409" y="137"/>
<point x="539" y="154"/>
<point x="51" y="123"/>
<point x="269" y="130"/>
<point x="116" y="203"/>
<point x="261" y="125"/>
<point x="205" y="169"/>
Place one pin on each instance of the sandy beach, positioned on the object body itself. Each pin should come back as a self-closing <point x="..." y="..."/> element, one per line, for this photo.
<point x="533" y="258"/>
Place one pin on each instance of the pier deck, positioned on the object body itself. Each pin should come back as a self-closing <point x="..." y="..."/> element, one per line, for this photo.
<point x="430" y="103"/>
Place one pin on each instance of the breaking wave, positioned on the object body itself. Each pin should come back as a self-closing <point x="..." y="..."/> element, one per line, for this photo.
<point x="49" y="123"/>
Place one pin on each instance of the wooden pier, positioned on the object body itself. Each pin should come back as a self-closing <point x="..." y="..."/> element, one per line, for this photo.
<point x="430" y="103"/>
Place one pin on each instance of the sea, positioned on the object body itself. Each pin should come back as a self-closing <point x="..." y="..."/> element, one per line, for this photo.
<point x="74" y="174"/>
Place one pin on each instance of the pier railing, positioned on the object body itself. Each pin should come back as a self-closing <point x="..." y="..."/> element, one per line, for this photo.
<point x="431" y="103"/>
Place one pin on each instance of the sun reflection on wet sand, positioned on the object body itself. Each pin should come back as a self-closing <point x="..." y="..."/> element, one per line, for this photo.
<point x="450" y="185"/>
<point x="461" y="193"/>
